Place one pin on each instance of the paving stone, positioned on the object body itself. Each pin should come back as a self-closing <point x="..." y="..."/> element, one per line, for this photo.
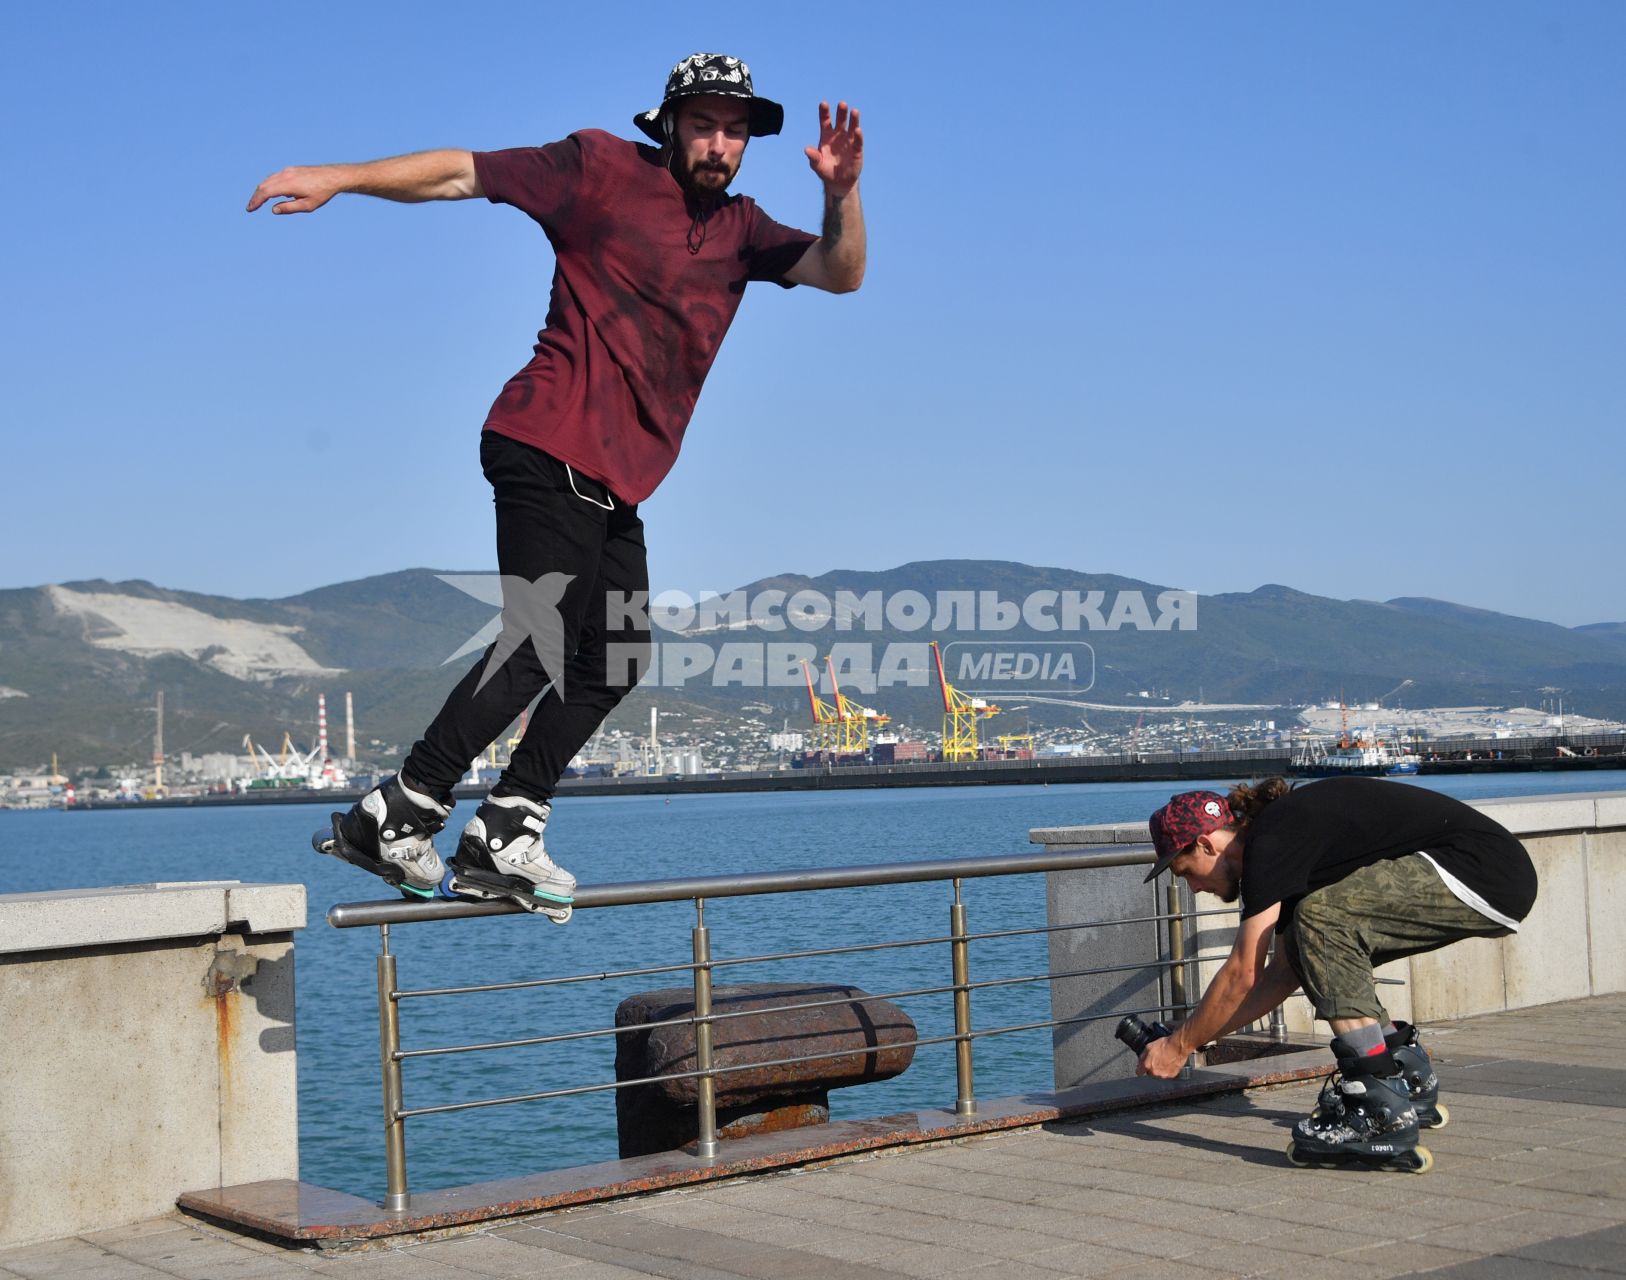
<point x="933" y="1260"/>
<point x="1029" y="1270"/>
<point x="1163" y="1269"/>
<point x="1603" y="1250"/>
<point x="489" y="1255"/>
<point x="1504" y="1268"/>
<point x="1408" y="1253"/>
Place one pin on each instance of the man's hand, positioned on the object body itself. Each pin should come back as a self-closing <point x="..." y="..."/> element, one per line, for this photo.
<point x="1163" y="1058"/>
<point x="839" y="157"/>
<point x="307" y="187"/>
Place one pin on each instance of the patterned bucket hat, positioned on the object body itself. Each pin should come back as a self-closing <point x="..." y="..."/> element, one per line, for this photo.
<point x="1177" y="825"/>
<point x="712" y="73"/>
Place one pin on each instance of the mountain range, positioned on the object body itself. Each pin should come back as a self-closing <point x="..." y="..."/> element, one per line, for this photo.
<point x="81" y="663"/>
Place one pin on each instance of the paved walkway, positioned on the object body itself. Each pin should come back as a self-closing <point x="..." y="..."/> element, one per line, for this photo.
<point x="1530" y="1179"/>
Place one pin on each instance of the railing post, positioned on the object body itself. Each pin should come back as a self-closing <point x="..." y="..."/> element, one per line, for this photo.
<point x="396" y="1198"/>
<point x="706" y="1085"/>
<point x="1175" y="910"/>
<point x="965" y="1103"/>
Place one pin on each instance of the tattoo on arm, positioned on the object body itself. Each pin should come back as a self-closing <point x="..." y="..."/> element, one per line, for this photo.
<point x="832" y="223"/>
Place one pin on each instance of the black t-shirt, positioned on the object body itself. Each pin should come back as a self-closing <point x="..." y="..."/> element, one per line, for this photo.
<point x="1321" y="832"/>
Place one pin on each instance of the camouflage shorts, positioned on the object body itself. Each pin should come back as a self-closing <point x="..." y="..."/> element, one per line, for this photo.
<point x="1380" y="913"/>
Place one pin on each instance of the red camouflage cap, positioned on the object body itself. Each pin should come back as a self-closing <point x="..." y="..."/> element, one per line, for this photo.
<point x="1176" y="826"/>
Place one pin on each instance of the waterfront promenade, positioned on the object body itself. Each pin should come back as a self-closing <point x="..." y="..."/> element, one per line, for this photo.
<point x="1530" y="1180"/>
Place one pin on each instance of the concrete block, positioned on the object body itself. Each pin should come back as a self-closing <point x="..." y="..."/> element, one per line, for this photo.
<point x="1530" y="815"/>
<point x="1456" y="981"/>
<point x="120" y="913"/>
<point x="1611" y="809"/>
<point x="255" y="1060"/>
<point x="1547" y="959"/>
<point x="1100" y="833"/>
<point x="137" y="1067"/>
<point x="1606" y="910"/>
<point x="265" y="908"/>
<point x="1086" y="1052"/>
<point x="145" y="912"/>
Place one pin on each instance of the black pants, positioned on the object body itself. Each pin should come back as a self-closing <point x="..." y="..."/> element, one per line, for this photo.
<point x="550" y="521"/>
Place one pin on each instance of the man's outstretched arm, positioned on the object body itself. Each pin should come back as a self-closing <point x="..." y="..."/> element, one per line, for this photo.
<point x="424" y="175"/>
<point x="835" y="261"/>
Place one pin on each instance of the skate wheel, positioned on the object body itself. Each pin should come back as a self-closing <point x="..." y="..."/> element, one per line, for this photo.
<point x="1422" y="1160"/>
<point x="447" y="888"/>
<point x="1295" y="1158"/>
<point x="1444" y="1114"/>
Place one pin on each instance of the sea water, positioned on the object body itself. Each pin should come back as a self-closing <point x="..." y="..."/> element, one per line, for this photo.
<point x="604" y="839"/>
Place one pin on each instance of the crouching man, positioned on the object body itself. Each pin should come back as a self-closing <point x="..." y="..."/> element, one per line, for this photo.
<point x="1347" y="873"/>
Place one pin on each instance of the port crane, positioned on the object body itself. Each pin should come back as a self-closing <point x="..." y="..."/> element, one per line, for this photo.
<point x="960" y="715"/>
<point x="826" y="720"/>
<point x="853" y="719"/>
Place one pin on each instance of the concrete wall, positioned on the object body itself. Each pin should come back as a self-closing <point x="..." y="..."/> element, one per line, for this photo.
<point x="1085" y="1052"/>
<point x="147" y="1049"/>
<point x="1573" y="944"/>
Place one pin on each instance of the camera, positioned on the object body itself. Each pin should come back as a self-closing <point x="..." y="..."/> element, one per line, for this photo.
<point x="1137" y="1034"/>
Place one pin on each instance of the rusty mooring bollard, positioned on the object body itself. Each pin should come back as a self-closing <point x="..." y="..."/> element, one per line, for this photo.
<point x="756" y="1098"/>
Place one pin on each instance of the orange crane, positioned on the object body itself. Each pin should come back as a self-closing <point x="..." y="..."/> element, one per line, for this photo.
<point x="960" y="716"/>
<point x="854" y="719"/>
<point x="826" y="720"/>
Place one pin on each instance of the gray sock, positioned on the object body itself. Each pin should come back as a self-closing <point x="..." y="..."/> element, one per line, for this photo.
<point x="1361" y="1042"/>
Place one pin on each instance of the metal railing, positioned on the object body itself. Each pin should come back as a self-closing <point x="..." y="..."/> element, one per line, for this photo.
<point x="702" y="965"/>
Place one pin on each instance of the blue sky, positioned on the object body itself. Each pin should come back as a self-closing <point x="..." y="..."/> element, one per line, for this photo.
<point x="1207" y="295"/>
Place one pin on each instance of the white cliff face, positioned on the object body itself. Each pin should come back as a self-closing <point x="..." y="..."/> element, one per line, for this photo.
<point x="239" y="648"/>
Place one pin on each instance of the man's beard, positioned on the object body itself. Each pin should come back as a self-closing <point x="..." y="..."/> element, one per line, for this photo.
<point x="706" y="179"/>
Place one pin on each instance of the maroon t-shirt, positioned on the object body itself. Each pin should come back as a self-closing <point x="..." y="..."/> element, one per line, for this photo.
<point x="636" y="316"/>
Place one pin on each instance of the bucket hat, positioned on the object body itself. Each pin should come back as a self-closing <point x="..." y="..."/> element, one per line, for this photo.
<point x="712" y="73"/>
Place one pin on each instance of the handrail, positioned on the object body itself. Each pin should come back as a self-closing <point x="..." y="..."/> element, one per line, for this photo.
<point x="355" y="915"/>
<point x="704" y="1018"/>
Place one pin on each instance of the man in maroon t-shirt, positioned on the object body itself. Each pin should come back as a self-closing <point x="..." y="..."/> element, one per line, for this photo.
<point x="653" y="256"/>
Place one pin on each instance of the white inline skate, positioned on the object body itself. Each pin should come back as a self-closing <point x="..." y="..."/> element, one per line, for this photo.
<point x="501" y="856"/>
<point x="390" y="832"/>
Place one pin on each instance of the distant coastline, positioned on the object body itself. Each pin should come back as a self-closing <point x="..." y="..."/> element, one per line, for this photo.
<point x="1508" y="756"/>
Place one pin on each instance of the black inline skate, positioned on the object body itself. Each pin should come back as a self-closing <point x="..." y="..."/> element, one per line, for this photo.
<point x="390" y="832"/>
<point x="501" y="856"/>
<point x="1366" y="1120"/>
<point x="1414" y="1064"/>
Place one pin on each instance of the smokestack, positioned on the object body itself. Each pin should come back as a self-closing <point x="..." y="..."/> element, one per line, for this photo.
<point x="158" y="746"/>
<point x="349" y="729"/>
<point x="321" y="735"/>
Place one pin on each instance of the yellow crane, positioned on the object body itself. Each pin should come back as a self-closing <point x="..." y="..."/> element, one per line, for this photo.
<point x="826" y="721"/>
<point x="854" y="720"/>
<point x="960" y="715"/>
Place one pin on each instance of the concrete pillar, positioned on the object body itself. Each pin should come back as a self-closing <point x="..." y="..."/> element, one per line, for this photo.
<point x="148" y="1049"/>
